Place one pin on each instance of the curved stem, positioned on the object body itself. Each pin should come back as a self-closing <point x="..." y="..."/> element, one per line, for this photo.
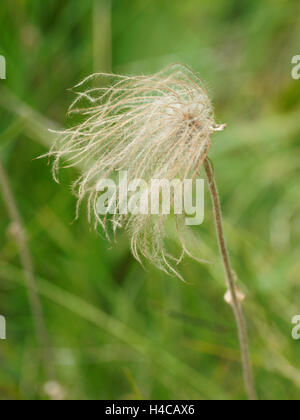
<point x="231" y="284"/>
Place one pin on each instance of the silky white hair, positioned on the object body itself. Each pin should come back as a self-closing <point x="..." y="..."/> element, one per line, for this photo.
<point x="154" y="127"/>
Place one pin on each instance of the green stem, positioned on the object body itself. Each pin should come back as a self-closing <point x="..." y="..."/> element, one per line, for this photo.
<point x="231" y="284"/>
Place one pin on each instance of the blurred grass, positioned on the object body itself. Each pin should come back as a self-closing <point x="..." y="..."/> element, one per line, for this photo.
<point x="119" y="331"/>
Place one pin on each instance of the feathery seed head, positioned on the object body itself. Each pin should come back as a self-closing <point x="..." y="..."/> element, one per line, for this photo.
<point x="153" y="127"/>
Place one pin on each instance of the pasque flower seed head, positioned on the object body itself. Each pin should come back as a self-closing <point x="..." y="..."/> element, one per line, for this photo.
<point x="154" y="127"/>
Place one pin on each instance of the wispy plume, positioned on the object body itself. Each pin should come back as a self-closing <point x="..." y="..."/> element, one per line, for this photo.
<point x="154" y="127"/>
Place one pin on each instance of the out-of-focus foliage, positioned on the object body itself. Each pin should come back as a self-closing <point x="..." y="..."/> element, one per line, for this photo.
<point x="118" y="331"/>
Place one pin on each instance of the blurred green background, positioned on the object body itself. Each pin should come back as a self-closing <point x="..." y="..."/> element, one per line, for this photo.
<point x="119" y="331"/>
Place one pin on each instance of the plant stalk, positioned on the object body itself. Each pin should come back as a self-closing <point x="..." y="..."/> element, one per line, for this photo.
<point x="231" y="284"/>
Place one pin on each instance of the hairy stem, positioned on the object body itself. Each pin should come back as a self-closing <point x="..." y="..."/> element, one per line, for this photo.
<point x="231" y="284"/>
<point x="26" y="260"/>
